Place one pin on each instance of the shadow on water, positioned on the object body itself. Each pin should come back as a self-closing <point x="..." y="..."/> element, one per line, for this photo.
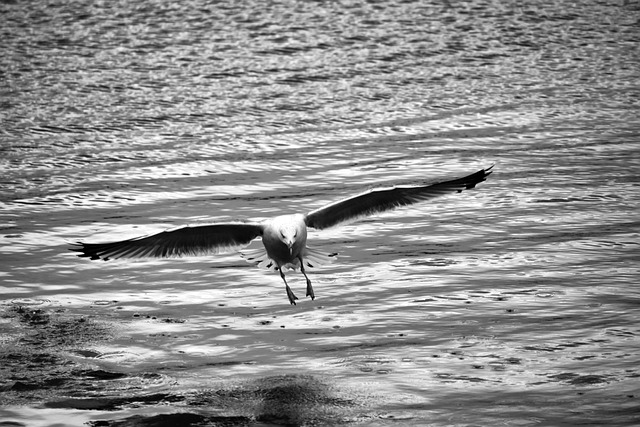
<point x="46" y="360"/>
<point x="271" y="400"/>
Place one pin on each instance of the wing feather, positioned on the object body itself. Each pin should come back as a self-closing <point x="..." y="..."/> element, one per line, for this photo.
<point x="199" y="240"/>
<point x="376" y="201"/>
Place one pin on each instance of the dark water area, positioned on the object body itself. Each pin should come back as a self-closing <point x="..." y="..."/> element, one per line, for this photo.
<point x="516" y="303"/>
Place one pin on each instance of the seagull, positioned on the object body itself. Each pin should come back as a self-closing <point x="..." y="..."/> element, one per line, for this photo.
<point x="284" y="237"/>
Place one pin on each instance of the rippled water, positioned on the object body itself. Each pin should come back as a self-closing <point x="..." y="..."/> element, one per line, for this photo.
<point x="514" y="304"/>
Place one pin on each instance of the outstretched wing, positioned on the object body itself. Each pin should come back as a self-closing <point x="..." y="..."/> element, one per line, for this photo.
<point x="200" y="240"/>
<point x="375" y="201"/>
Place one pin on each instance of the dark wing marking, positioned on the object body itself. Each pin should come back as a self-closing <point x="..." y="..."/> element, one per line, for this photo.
<point x="200" y="240"/>
<point x="376" y="201"/>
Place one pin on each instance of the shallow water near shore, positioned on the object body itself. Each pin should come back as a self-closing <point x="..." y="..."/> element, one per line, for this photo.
<point x="515" y="303"/>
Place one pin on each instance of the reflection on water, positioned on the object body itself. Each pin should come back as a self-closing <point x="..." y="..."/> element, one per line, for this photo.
<point x="513" y="303"/>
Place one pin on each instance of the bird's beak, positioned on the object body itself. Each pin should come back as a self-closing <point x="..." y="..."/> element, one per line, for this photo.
<point x="290" y="245"/>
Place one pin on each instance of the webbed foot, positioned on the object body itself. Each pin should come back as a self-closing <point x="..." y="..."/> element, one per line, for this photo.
<point x="291" y="295"/>
<point x="310" y="292"/>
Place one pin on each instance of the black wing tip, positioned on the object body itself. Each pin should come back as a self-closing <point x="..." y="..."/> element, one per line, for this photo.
<point x="78" y="247"/>
<point x="85" y="252"/>
<point x="478" y="177"/>
<point x="488" y="171"/>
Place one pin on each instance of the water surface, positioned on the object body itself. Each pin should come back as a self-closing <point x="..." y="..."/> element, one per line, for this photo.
<point x="512" y="304"/>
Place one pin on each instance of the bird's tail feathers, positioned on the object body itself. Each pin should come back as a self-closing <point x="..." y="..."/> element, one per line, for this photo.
<point x="259" y="258"/>
<point x="315" y="258"/>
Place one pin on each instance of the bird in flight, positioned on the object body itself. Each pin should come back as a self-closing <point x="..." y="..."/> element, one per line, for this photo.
<point x="284" y="237"/>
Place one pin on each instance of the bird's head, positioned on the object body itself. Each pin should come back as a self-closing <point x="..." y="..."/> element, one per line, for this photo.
<point x="288" y="235"/>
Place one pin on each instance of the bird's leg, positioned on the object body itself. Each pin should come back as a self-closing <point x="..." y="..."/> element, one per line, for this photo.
<point x="309" y="287"/>
<point x="290" y="294"/>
